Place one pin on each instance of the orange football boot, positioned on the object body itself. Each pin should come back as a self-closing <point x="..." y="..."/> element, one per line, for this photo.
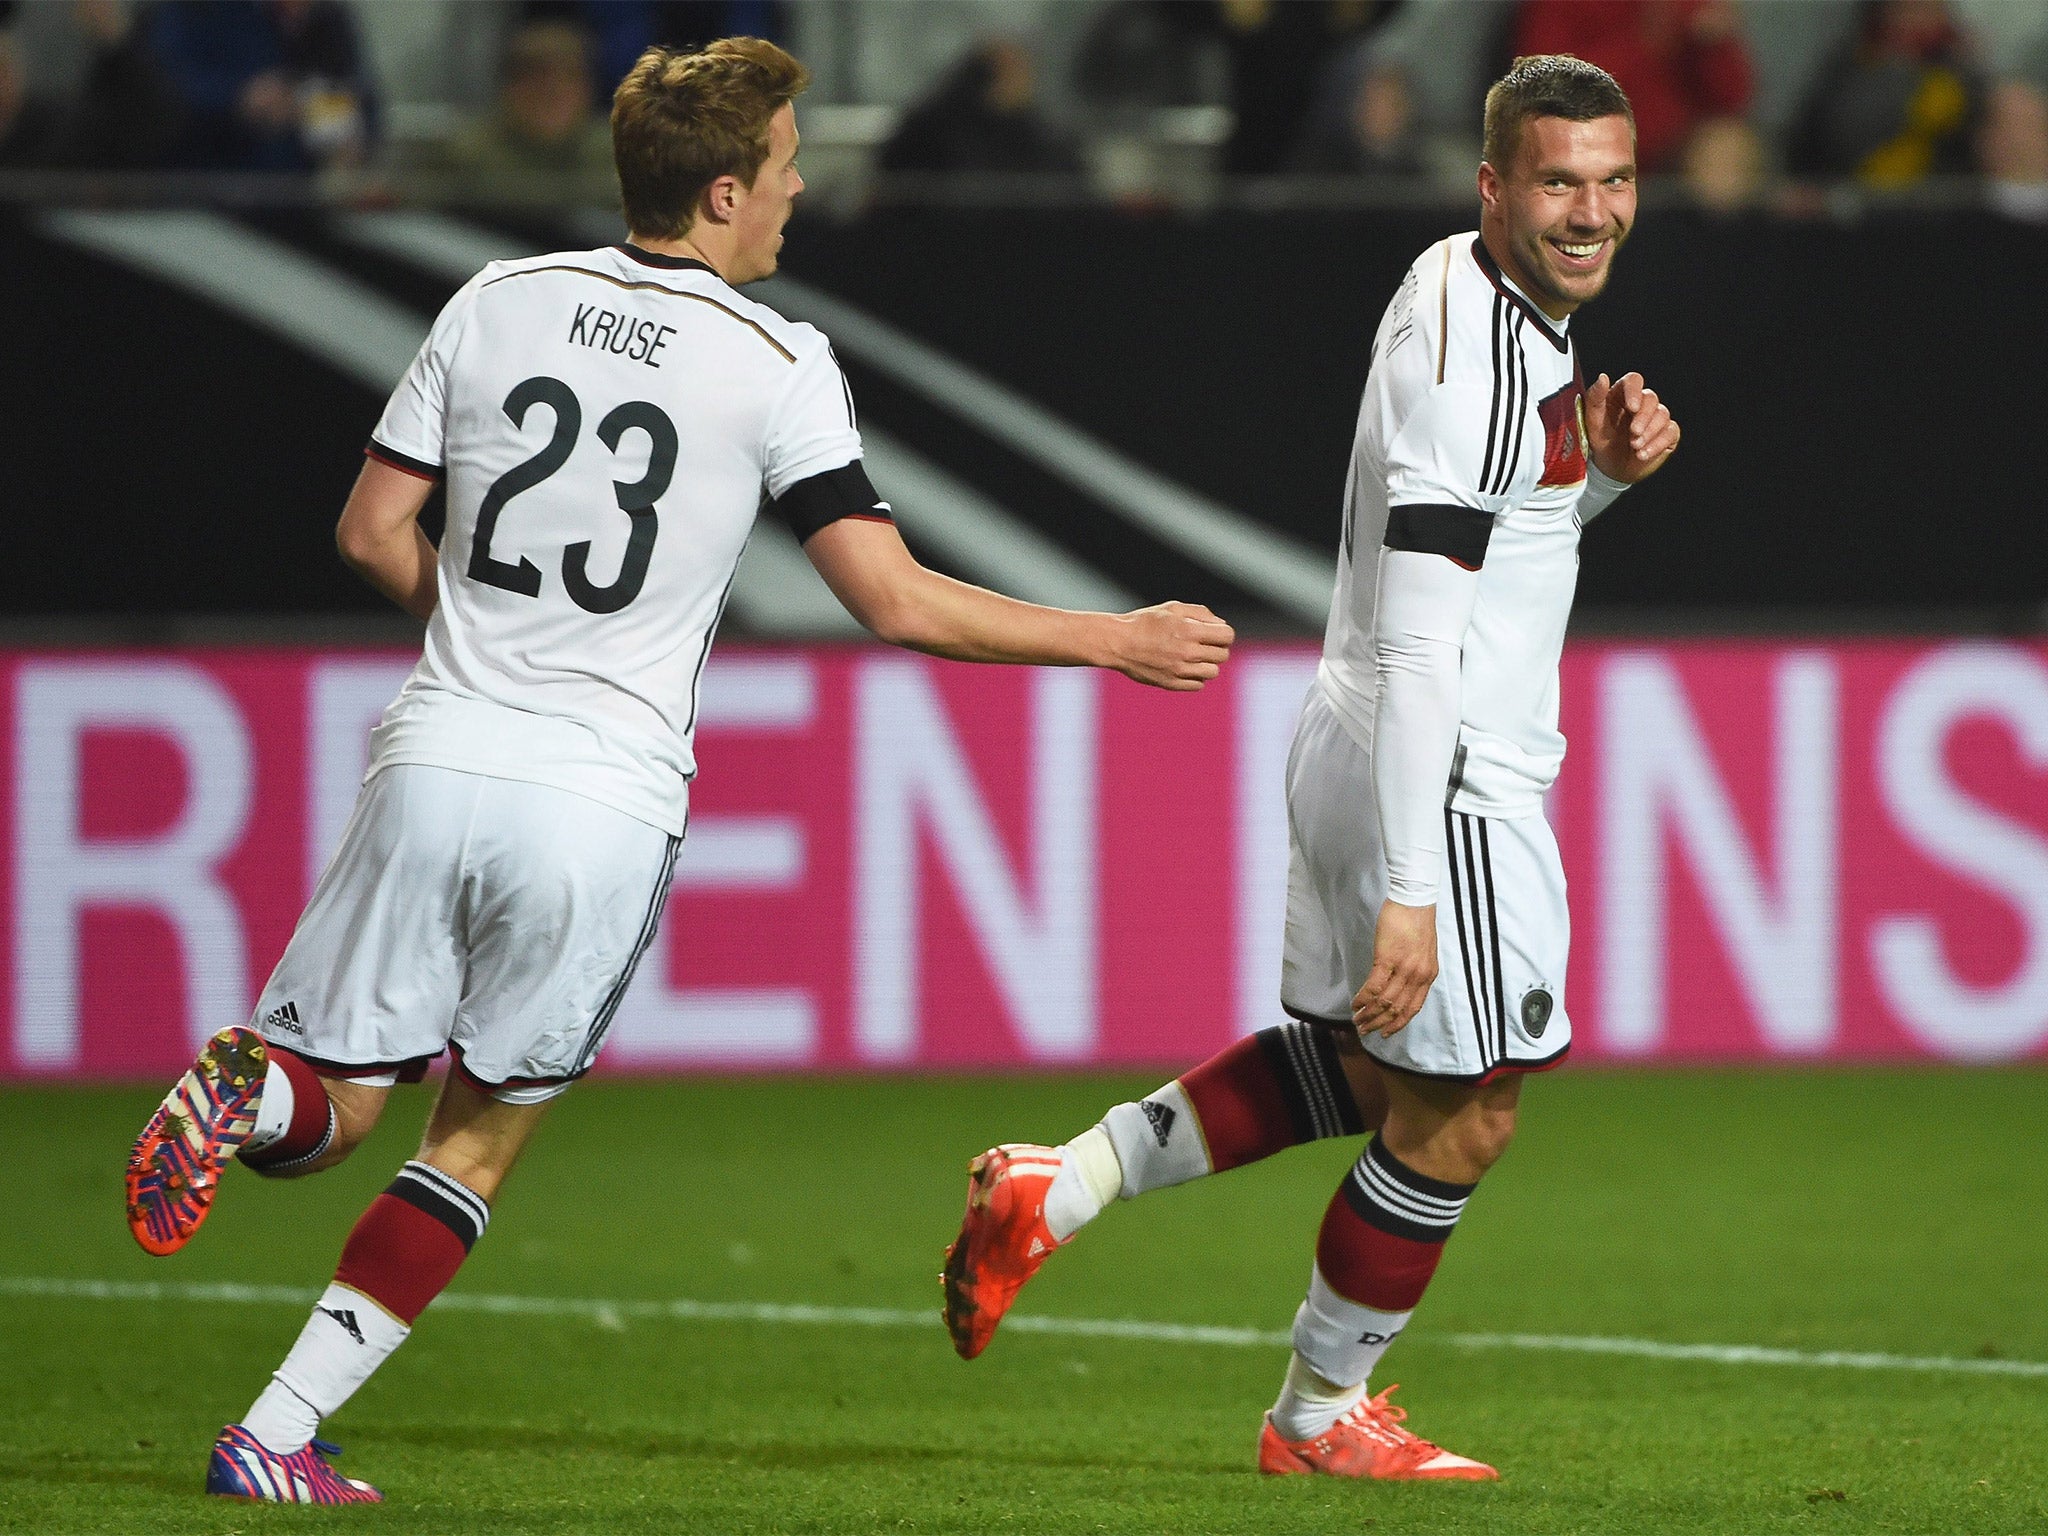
<point x="1368" y="1441"/>
<point x="175" y="1166"/>
<point x="1003" y="1239"/>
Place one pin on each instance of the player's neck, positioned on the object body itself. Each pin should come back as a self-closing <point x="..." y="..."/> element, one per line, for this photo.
<point x="1496" y="243"/>
<point x="685" y="246"/>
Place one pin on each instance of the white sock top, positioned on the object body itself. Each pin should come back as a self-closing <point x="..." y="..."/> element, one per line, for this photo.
<point x="274" y="1108"/>
<point x="1089" y="1178"/>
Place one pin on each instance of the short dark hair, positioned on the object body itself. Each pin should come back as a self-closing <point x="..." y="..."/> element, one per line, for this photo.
<point x="682" y="120"/>
<point x="1547" y="85"/>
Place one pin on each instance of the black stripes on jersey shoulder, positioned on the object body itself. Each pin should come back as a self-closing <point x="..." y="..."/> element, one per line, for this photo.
<point x="401" y="461"/>
<point x="1459" y="534"/>
<point x="1514" y="319"/>
<point x="1509" y="416"/>
<point x="824" y="499"/>
<point x="1544" y="326"/>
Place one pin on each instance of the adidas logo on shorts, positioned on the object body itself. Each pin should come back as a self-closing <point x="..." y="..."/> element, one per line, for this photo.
<point x="285" y="1017"/>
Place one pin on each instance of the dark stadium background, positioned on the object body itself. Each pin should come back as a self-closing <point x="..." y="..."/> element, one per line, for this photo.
<point x="1857" y="457"/>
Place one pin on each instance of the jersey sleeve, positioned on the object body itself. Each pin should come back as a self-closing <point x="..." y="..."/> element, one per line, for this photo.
<point x="812" y="428"/>
<point x="1600" y="493"/>
<point x="412" y="433"/>
<point x="1424" y="608"/>
<point x="1439" y="522"/>
<point x="812" y="466"/>
<point x="1439" y="467"/>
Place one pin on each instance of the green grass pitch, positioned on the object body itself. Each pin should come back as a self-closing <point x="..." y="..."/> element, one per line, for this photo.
<point x="1890" y="1212"/>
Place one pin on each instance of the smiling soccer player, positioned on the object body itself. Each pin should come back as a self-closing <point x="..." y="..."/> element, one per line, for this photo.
<point x="1426" y="924"/>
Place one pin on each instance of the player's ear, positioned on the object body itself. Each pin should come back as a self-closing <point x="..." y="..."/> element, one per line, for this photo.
<point x="721" y="199"/>
<point x="1489" y="184"/>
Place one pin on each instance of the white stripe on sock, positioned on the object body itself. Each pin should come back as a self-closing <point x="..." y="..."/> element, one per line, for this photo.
<point x="453" y="1188"/>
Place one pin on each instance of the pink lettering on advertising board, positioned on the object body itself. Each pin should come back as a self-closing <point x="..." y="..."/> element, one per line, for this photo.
<point x="1776" y="852"/>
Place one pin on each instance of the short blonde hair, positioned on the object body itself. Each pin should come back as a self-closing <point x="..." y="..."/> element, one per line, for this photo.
<point x="682" y="120"/>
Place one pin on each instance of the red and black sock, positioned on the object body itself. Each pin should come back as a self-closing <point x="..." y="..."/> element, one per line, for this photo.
<point x="1385" y="1230"/>
<point x="1270" y="1091"/>
<point x="413" y="1238"/>
<point x="401" y="1255"/>
<point x="1381" y="1238"/>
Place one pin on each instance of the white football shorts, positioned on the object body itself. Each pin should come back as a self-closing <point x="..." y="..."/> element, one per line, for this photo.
<point x="1503" y="930"/>
<point x="493" y="918"/>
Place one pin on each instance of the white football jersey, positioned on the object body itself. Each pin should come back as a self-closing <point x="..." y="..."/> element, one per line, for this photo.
<point x="1471" y="444"/>
<point x="609" y="423"/>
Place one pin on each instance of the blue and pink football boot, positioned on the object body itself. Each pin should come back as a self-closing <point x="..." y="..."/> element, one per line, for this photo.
<point x="175" y="1166"/>
<point x="243" y="1469"/>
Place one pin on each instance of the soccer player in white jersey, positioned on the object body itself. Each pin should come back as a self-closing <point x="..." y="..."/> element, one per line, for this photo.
<point x="608" y="423"/>
<point x="1426" y="926"/>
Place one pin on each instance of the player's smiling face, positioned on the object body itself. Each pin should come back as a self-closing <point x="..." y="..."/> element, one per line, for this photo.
<point x="765" y="207"/>
<point x="1557" y="215"/>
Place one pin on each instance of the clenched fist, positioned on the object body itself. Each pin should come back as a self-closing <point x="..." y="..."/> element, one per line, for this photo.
<point x="1173" y="645"/>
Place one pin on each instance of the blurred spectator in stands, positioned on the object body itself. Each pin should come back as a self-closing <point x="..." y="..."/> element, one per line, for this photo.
<point x="2013" y="148"/>
<point x="982" y="116"/>
<point x="1897" y="103"/>
<point x="546" y="142"/>
<point x="621" y="30"/>
<point x="1724" y="166"/>
<point x="121" y="115"/>
<point x="1138" y="55"/>
<point x="28" y="127"/>
<point x="1275" y="50"/>
<point x="266" y="85"/>
<point x="1362" y="122"/>
<point x="1687" y="73"/>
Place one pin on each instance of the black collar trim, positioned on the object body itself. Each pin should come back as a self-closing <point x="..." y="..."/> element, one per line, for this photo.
<point x="658" y="259"/>
<point x="1545" y="326"/>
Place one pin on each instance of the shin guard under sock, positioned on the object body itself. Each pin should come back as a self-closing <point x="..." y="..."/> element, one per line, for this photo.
<point x="1381" y="1239"/>
<point x="1260" y="1095"/>
<point x="294" y="1117"/>
<point x="401" y="1255"/>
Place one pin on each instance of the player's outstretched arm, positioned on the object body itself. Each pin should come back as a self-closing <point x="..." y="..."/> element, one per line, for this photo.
<point x="379" y="536"/>
<point x="1628" y="429"/>
<point x="868" y="567"/>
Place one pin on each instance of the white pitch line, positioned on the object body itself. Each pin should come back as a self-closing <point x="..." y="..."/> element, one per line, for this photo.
<point x="613" y="1313"/>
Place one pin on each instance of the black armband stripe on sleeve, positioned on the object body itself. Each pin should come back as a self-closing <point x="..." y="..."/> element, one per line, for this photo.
<point x="823" y="499"/>
<point x="402" y="461"/>
<point x="1457" y="533"/>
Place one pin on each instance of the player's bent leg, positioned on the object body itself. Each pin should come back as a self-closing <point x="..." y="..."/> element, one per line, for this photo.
<point x="1260" y="1095"/>
<point x="328" y="1119"/>
<point x="244" y="1098"/>
<point x="1381" y="1240"/>
<point x="403" y="1252"/>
